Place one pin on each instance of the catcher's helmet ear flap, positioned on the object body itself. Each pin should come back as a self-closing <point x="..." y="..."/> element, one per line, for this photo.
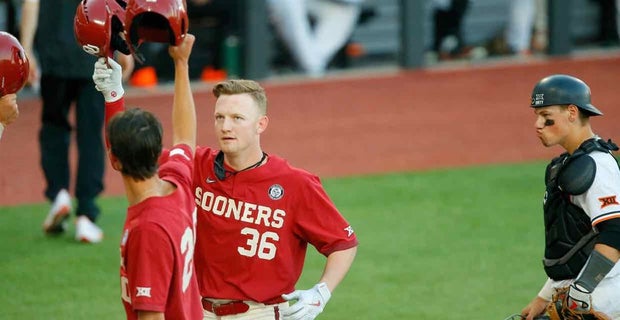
<point x="14" y="65"/>
<point x="155" y="21"/>
<point x="561" y="89"/>
<point x="98" y="25"/>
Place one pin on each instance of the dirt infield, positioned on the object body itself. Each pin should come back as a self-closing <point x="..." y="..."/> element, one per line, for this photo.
<point x="353" y="125"/>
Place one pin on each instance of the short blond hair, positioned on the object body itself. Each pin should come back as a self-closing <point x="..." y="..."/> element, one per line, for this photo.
<point x="240" y="86"/>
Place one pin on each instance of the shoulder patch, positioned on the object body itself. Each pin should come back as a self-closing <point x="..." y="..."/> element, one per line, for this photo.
<point x="608" y="201"/>
<point x="577" y="175"/>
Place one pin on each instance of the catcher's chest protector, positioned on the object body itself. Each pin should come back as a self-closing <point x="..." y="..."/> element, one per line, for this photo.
<point x="569" y="236"/>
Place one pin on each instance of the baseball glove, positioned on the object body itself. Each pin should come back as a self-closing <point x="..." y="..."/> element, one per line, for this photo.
<point x="558" y="309"/>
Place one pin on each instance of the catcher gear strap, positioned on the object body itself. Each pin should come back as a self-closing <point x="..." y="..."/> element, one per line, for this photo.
<point x="577" y="175"/>
<point x="569" y="236"/>
<point x="609" y="232"/>
<point x="595" y="270"/>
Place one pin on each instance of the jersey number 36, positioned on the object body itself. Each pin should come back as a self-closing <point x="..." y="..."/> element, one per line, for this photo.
<point x="261" y="245"/>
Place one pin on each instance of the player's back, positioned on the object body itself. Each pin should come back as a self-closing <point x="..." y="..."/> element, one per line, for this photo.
<point x="158" y="246"/>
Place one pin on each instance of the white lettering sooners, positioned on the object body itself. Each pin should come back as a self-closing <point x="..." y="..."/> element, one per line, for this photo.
<point x="239" y="210"/>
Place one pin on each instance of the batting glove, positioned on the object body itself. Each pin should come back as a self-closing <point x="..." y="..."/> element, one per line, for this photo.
<point x="578" y="298"/>
<point x="108" y="79"/>
<point x="309" y="302"/>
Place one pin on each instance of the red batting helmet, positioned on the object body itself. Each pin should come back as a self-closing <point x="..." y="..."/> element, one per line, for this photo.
<point x="97" y="25"/>
<point x="14" y="65"/>
<point x="155" y="21"/>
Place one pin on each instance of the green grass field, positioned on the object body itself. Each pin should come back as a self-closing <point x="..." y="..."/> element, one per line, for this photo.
<point x="445" y="244"/>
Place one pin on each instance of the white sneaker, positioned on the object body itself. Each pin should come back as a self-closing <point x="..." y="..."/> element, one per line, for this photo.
<point x="86" y="231"/>
<point x="55" y="222"/>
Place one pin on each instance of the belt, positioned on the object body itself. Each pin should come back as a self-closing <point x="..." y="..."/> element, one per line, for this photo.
<point x="225" y="309"/>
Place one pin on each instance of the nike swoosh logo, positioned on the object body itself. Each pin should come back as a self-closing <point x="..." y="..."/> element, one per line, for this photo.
<point x="209" y="180"/>
<point x="316" y="304"/>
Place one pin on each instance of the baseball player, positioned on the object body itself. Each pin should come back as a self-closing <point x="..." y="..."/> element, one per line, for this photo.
<point x="581" y="209"/>
<point x="256" y="216"/>
<point x="158" y="278"/>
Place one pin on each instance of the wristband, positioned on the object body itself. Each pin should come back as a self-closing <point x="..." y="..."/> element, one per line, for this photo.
<point x="596" y="268"/>
<point x="1" y="129"/>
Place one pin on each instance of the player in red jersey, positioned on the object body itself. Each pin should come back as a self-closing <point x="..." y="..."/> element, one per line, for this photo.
<point x="256" y="216"/>
<point x="157" y="269"/>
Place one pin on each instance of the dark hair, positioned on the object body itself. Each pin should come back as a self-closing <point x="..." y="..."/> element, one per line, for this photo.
<point x="135" y="138"/>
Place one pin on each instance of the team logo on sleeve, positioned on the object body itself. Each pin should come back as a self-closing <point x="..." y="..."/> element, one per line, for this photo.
<point x="276" y="192"/>
<point x="143" y="292"/>
<point x="607" y="201"/>
<point x="349" y="231"/>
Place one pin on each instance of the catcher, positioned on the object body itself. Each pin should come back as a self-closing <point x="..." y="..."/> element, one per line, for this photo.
<point x="581" y="209"/>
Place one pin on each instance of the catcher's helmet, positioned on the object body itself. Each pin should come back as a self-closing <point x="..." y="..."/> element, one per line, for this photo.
<point x="155" y="21"/>
<point x="97" y="25"/>
<point x="559" y="89"/>
<point x="14" y="65"/>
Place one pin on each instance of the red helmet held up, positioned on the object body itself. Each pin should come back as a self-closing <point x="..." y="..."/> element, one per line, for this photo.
<point x="155" y="21"/>
<point x="14" y="65"/>
<point x="98" y="24"/>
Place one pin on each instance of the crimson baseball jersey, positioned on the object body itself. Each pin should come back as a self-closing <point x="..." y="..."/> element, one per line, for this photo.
<point x="254" y="226"/>
<point x="157" y="247"/>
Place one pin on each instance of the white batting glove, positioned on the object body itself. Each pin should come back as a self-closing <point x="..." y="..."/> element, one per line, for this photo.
<point x="578" y="298"/>
<point x="309" y="302"/>
<point x="109" y="79"/>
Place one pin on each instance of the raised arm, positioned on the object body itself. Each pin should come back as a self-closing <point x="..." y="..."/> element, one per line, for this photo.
<point x="183" y="109"/>
<point x="107" y="76"/>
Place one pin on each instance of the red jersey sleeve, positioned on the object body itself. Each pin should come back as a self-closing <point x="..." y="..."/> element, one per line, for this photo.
<point x="149" y="263"/>
<point x="177" y="164"/>
<point x="111" y="109"/>
<point x="320" y="223"/>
